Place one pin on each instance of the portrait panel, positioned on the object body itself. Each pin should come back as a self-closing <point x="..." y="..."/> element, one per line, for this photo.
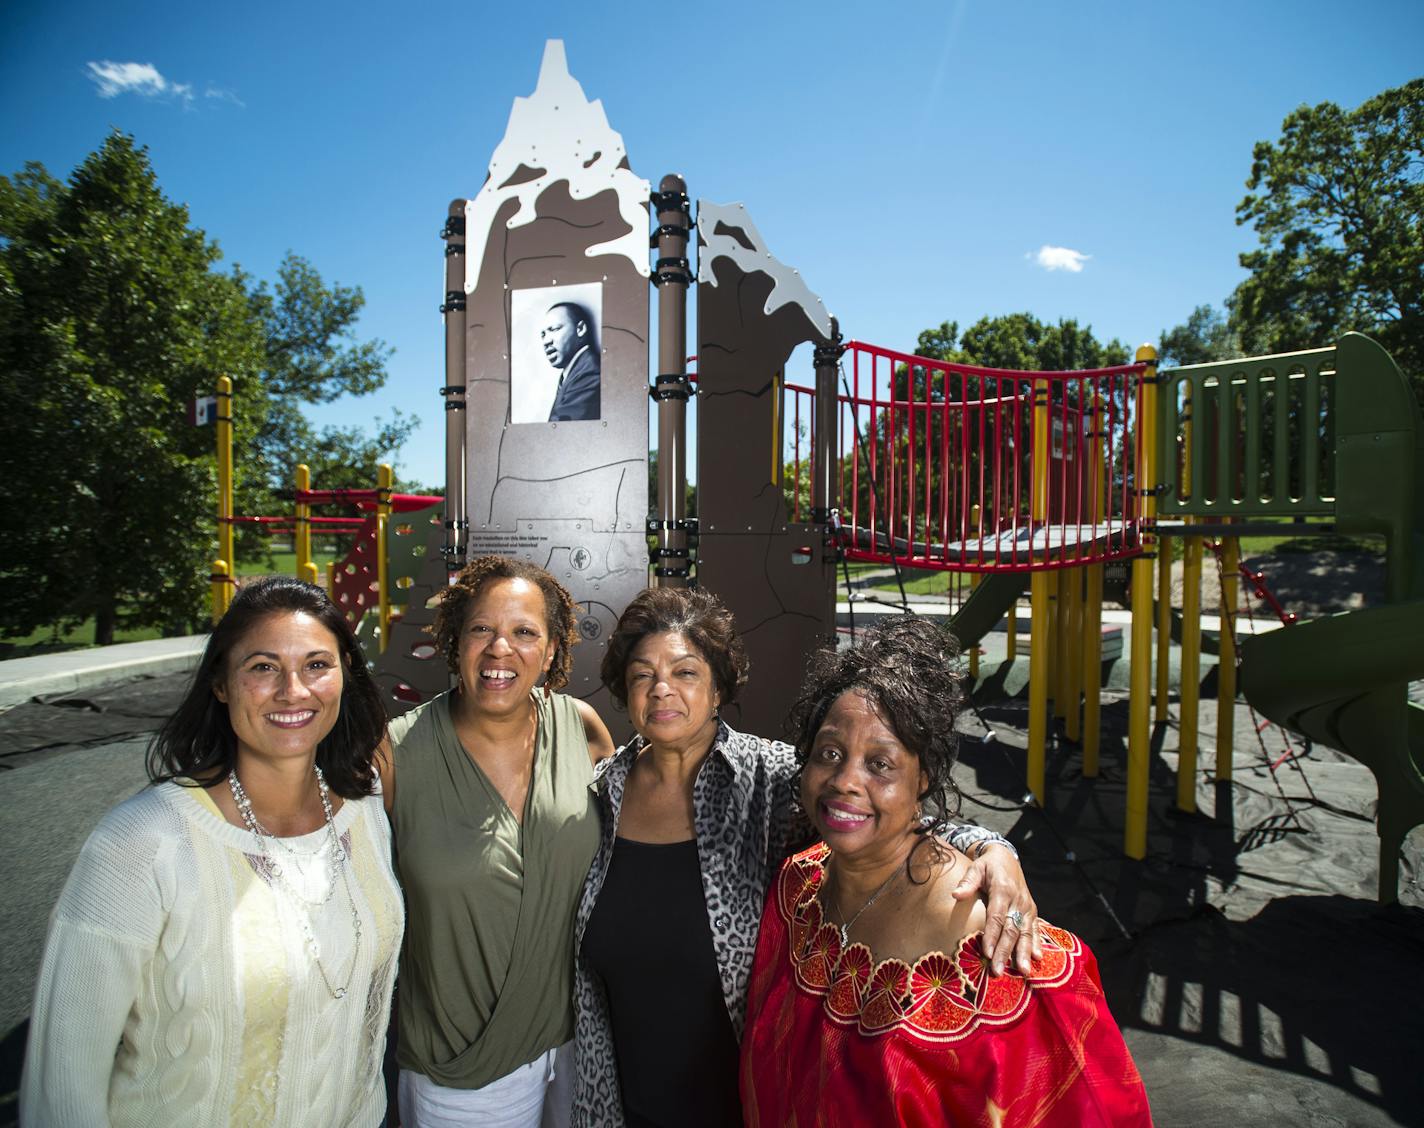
<point x="556" y="353"/>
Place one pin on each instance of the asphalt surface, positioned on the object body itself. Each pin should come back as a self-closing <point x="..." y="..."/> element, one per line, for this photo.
<point x="1256" y="980"/>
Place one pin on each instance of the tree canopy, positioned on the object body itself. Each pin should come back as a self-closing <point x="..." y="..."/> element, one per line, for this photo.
<point x="113" y="315"/>
<point x="1337" y="203"/>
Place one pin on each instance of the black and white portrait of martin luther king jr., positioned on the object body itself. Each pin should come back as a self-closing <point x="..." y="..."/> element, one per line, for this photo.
<point x="569" y="338"/>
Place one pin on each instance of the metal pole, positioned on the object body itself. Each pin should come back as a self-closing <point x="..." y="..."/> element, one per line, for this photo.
<point x="453" y="390"/>
<point x="1139" y="748"/>
<point x="673" y="277"/>
<point x="1093" y="602"/>
<point x="1226" y="658"/>
<point x="1191" y="673"/>
<point x="824" y="487"/>
<point x="1070" y="587"/>
<point x="224" y="441"/>
<point x="1164" y="629"/>
<point x="384" y="480"/>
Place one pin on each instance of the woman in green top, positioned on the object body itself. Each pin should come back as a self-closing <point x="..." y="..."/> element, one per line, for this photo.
<point x="495" y="827"/>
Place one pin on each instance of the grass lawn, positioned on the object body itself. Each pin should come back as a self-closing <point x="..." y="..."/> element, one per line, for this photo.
<point x="285" y="564"/>
<point x="48" y="640"/>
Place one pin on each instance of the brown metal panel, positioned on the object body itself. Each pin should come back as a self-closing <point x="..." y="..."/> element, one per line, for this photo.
<point x="570" y="495"/>
<point x="777" y="577"/>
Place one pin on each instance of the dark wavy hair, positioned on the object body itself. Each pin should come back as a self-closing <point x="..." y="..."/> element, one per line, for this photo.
<point x="560" y="617"/>
<point x="907" y="668"/>
<point x="197" y="744"/>
<point x="700" y="616"/>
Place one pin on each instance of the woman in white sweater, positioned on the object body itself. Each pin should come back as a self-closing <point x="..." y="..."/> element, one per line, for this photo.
<point x="224" y="950"/>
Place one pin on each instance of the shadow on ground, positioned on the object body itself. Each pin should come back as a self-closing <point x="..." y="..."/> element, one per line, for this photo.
<point x="1255" y="977"/>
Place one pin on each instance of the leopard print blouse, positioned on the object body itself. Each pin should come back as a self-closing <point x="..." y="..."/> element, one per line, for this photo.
<point x="748" y="821"/>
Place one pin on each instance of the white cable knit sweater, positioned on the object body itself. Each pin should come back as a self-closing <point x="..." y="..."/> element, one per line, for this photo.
<point x="177" y="987"/>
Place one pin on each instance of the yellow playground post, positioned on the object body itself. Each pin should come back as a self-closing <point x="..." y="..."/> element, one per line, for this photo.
<point x="301" y="535"/>
<point x="1039" y="594"/>
<point x="1139" y="702"/>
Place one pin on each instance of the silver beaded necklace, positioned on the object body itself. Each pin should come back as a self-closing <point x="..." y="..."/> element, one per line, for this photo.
<point x="339" y="859"/>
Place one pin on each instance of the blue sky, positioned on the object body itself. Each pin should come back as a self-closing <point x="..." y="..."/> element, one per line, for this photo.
<point x="911" y="159"/>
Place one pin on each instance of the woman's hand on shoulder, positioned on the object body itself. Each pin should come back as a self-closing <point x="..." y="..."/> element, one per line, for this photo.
<point x="600" y="743"/>
<point x="1011" y="928"/>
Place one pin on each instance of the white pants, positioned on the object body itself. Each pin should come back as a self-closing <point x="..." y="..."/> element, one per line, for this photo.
<point x="537" y="1095"/>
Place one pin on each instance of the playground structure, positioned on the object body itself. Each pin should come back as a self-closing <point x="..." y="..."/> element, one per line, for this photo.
<point x="369" y="583"/>
<point x="1034" y="481"/>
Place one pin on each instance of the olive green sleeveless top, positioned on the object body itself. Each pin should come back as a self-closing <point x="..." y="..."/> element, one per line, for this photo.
<point x="486" y="972"/>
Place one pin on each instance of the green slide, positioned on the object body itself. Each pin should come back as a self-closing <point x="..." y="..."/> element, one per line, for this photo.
<point x="986" y="605"/>
<point x="1343" y="681"/>
<point x="1334" y="433"/>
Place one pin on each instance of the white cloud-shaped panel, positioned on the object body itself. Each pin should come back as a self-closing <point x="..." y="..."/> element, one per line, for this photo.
<point x="559" y="133"/>
<point x="788" y="287"/>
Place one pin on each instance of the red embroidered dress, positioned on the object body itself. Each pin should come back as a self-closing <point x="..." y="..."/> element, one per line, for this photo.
<point x="834" y="1038"/>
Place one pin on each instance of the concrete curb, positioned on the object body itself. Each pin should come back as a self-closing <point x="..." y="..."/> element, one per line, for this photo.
<point x="71" y="670"/>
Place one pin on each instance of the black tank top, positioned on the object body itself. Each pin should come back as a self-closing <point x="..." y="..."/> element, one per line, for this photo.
<point x="649" y="941"/>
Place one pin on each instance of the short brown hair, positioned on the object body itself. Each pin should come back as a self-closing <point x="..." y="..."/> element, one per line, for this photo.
<point x="700" y="616"/>
<point x="559" y="615"/>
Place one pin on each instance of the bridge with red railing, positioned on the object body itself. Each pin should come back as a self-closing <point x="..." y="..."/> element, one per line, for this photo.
<point x="959" y="468"/>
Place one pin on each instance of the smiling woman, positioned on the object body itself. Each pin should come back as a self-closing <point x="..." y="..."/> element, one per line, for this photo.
<point x="230" y="933"/>
<point x="487" y="786"/>
<point x="870" y="994"/>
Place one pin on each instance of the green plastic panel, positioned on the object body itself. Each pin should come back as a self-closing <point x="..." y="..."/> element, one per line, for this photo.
<point x="1248" y="438"/>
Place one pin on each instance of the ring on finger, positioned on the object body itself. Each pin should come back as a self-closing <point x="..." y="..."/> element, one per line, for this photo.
<point x="1016" y="918"/>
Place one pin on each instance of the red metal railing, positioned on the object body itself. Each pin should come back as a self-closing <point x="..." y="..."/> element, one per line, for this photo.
<point x="937" y="464"/>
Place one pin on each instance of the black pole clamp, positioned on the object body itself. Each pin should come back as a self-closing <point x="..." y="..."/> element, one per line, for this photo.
<point x="681" y="524"/>
<point x="454" y="301"/>
<point x="827" y="356"/>
<point x="670" y="202"/>
<point x="672" y="387"/>
<point x="672" y="230"/>
<point x="454" y="227"/>
<point x="672" y="573"/>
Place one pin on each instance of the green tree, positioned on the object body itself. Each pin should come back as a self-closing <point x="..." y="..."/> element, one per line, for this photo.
<point x="1205" y="336"/>
<point x="113" y="314"/>
<point x="1338" y="208"/>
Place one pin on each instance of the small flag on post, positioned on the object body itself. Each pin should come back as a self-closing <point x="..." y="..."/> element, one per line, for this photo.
<point x="202" y="410"/>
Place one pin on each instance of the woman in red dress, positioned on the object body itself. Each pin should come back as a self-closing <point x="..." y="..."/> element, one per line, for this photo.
<point x="857" y="1013"/>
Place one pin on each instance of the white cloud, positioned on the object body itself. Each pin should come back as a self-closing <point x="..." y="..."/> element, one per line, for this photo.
<point x="1060" y="258"/>
<point x="224" y="96"/>
<point x="143" y="79"/>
